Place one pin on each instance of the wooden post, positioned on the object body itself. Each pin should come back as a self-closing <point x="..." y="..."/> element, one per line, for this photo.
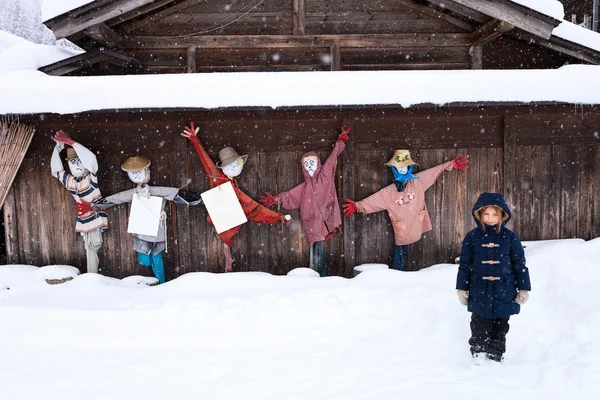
<point x="595" y="16"/>
<point x="336" y="57"/>
<point x="298" y="17"/>
<point x="509" y="183"/>
<point x="191" y="60"/>
<point x="10" y="228"/>
<point x="347" y="185"/>
<point x="476" y="53"/>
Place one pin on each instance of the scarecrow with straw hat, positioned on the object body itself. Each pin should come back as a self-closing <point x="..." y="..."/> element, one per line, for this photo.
<point x="228" y="167"/>
<point x="82" y="183"/>
<point x="404" y="200"/>
<point x="149" y="248"/>
<point x="317" y="200"/>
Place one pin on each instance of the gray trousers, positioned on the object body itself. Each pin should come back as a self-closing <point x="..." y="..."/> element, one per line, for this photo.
<point x="93" y="242"/>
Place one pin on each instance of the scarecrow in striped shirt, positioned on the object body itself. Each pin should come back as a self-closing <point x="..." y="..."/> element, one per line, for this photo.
<point x="82" y="183"/>
<point x="404" y="200"/>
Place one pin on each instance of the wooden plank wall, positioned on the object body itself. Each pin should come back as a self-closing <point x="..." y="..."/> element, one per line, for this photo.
<point x="545" y="159"/>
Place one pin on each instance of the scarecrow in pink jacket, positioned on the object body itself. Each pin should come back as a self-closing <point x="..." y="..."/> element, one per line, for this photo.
<point x="317" y="200"/>
<point x="404" y="201"/>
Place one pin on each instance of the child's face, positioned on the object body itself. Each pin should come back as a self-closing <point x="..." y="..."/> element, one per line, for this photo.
<point x="490" y="216"/>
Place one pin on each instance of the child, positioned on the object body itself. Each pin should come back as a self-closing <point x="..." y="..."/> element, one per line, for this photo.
<point x="492" y="280"/>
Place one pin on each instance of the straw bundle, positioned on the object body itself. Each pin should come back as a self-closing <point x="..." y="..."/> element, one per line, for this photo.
<point x="14" y="142"/>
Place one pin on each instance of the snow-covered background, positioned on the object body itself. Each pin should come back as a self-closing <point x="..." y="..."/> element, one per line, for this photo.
<point x="381" y="335"/>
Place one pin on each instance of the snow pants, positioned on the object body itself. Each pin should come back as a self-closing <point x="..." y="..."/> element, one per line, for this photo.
<point x="93" y="242"/>
<point x="399" y="257"/>
<point x="488" y="336"/>
<point x="317" y="258"/>
<point x="156" y="262"/>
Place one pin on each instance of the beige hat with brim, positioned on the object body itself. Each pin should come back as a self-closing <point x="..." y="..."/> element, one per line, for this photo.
<point x="135" y="163"/>
<point x="400" y="159"/>
<point x="71" y="153"/>
<point x="227" y="155"/>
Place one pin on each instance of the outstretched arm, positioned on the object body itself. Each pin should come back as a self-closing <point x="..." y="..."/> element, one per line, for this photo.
<point x="215" y="176"/>
<point x="429" y="176"/>
<point x="88" y="159"/>
<point x="340" y="145"/>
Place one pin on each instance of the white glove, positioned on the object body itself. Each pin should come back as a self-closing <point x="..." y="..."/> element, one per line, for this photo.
<point x="522" y="297"/>
<point x="60" y="146"/>
<point x="463" y="297"/>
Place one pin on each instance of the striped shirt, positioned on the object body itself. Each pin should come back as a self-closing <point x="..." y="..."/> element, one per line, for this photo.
<point x="85" y="188"/>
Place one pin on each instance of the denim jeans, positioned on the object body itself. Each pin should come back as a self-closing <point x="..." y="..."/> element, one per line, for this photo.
<point x="399" y="257"/>
<point x="317" y="258"/>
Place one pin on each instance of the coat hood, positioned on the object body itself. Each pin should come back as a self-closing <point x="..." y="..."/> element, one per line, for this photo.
<point x="307" y="176"/>
<point x="491" y="199"/>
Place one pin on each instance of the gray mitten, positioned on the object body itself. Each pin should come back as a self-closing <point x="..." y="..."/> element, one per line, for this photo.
<point x="463" y="297"/>
<point x="522" y="297"/>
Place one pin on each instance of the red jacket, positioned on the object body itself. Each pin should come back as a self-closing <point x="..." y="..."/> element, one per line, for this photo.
<point x="253" y="210"/>
<point x="316" y="198"/>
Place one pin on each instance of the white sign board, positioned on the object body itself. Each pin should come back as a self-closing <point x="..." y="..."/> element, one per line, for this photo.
<point x="144" y="218"/>
<point x="224" y="207"/>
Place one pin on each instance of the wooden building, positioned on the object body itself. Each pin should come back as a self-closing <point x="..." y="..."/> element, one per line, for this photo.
<point x="544" y="157"/>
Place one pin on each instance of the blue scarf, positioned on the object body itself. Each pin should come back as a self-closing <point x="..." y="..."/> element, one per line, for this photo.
<point x="400" y="180"/>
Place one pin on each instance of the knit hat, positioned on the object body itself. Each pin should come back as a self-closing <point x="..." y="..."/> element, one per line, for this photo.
<point x="71" y="153"/>
<point x="227" y="155"/>
<point x="400" y="159"/>
<point x="135" y="163"/>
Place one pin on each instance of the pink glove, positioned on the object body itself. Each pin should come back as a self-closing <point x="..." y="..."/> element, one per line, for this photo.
<point x="62" y="137"/>
<point x="460" y="162"/>
<point x="267" y="199"/>
<point x="190" y="131"/>
<point x="344" y="135"/>
<point x="349" y="207"/>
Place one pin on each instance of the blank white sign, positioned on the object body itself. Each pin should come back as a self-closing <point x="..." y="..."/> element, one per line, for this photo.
<point x="144" y="218"/>
<point x="224" y="207"/>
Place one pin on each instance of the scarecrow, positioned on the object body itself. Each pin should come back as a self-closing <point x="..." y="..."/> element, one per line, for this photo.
<point x="230" y="166"/>
<point x="404" y="201"/>
<point x="82" y="183"/>
<point x="149" y="247"/>
<point x="317" y="200"/>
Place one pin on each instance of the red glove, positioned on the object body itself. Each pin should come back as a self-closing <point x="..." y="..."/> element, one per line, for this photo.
<point x="190" y="131"/>
<point x="349" y="207"/>
<point x="460" y="162"/>
<point x="63" y="137"/>
<point x="344" y="135"/>
<point x="267" y="199"/>
<point x="83" y="207"/>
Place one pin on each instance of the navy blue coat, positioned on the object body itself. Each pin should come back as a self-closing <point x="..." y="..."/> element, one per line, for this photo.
<point x="489" y="253"/>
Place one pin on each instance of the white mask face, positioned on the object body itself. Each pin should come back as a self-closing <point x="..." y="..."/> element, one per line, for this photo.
<point x="235" y="168"/>
<point x="403" y="170"/>
<point x="76" y="168"/>
<point x="140" y="176"/>
<point x="310" y="165"/>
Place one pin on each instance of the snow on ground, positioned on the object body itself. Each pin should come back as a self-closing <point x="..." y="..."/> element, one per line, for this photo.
<point x="381" y="335"/>
<point x="30" y="92"/>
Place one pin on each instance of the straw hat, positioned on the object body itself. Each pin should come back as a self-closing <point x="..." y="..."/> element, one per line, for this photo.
<point x="71" y="153"/>
<point x="227" y="155"/>
<point x="135" y="164"/>
<point x="400" y="159"/>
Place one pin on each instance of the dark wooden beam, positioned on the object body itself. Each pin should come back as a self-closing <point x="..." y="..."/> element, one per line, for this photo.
<point x="299" y="17"/>
<point x="191" y="60"/>
<point x="336" y="57"/>
<point x="490" y="31"/>
<point x="139" y="12"/>
<point x="513" y="16"/>
<point x="461" y="10"/>
<point x="88" y="59"/>
<point x="162" y="14"/>
<point x="439" y="15"/>
<point x="562" y="46"/>
<point x="104" y="35"/>
<point x="307" y="41"/>
<point x="69" y="26"/>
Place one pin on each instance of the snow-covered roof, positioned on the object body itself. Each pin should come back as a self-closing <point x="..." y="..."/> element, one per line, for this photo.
<point x="578" y="34"/>
<point x="19" y="54"/>
<point x="552" y="8"/>
<point x="31" y="92"/>
<point x="54" y="8"/>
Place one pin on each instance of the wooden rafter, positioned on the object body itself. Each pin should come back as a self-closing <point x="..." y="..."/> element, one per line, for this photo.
<point x="307" y="41"/>
<point x="88" y="59"/>
<point x="563" y="46"/>
<point x="438" y="15"/>
<point x="460" y="10"/>
<point x="298" y="17"/>
<point x="162" y="14"/>
<point x="104" y="35"/>
<point x="490" y="31"/>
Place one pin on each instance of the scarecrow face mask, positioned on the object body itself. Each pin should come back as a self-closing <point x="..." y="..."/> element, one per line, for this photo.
<point x="76" y="168"/>
<point x="234" y="169"/>
<point x="310" y="164"/>
<point x="403" y="170"/>
<point x="140" y="176"/>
